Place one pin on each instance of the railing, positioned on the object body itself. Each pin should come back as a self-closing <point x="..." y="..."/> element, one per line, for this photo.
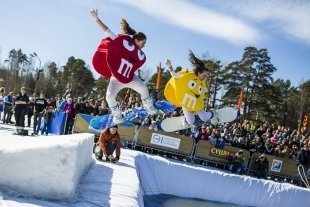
<point x="185" y="147"/>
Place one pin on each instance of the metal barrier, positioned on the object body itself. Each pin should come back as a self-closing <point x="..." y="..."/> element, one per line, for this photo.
<point x="164" y="141"/>
<point x="81" y="123"/>
<point x="176" y="144"/>
<point x="206" y="151"/>
<point x="126" y="133"/>
<point x="278" y="166"/>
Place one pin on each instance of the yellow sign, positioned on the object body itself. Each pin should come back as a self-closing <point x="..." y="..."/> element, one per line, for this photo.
<point x="222" y="153"/>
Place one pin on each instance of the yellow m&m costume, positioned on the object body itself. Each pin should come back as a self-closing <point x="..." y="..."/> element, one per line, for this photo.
<point x="186" y="91"/>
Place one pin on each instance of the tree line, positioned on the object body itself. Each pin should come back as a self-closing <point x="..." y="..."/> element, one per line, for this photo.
<point x="264" y="99"/>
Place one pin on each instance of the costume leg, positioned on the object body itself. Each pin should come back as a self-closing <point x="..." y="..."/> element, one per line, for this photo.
<point x="204" y="115"/>
<point x="113" y="88"/>
<point x="139" y="86"/>
<point x="189" y="116"/>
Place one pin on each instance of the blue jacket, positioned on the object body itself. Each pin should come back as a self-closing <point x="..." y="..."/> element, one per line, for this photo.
<point x="8" y="100"/>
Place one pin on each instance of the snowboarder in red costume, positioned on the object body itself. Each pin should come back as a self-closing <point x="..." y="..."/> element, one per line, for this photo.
<point x="117" y="58"/>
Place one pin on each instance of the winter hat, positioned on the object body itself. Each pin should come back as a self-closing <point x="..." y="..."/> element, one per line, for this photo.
<point x="112" y="125"/>
<point x="274" y="140"/>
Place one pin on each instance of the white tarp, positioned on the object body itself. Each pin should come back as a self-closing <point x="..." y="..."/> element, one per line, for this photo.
<point x="157" y="175"/>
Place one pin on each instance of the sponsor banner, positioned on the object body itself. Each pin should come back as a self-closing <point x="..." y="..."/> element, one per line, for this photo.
<point x="165" y="141"/>
<point x="221" y="153"/>
<point x="276" y="165"/>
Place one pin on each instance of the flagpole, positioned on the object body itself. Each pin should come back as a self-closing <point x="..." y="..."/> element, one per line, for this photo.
<point x="159" y="70"/>
<point x="239" y="105"/>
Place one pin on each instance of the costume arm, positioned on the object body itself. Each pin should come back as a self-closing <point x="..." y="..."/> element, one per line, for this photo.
<point x="173" y="74"/>
<point x="104" y="27"/>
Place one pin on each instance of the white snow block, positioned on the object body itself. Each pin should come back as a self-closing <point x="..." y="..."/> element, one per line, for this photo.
<point x="46" y="166"/>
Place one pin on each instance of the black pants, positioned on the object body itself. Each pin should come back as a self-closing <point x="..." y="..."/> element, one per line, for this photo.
<point x="37" y="122"/>
<point x="69" y="125"/>
<point x="7" y="114"/>
<point x="29" y="119"/>
<point x="261" y="173"/>
<point x="110" y="148"/>
<point x="20" y="116"/>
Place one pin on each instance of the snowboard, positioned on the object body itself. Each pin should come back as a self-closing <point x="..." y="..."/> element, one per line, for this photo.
<point x="227" y="114"/>
<point x="98" y="123"/>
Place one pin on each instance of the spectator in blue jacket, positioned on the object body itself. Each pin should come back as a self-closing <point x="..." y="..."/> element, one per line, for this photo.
<point x="8" y="109"/>
<point x="48" y="118"/>
<point x="2" y="91"/>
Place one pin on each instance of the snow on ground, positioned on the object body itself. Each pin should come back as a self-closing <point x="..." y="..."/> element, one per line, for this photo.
<point x="138" y="174"/>
<point x="46" y="167"/>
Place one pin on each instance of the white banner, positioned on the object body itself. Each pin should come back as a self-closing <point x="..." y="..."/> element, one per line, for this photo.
<point x="165" y="141"/>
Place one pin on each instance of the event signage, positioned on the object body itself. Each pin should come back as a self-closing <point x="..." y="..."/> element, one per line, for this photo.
<point x="165" y="141"/>
<point x="276" y="165"/>
<point x="221" y="153"/>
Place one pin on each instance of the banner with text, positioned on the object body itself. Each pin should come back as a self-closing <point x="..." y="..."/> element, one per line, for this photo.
<point x="165" y="141"/>
<point x="221" y="153"/>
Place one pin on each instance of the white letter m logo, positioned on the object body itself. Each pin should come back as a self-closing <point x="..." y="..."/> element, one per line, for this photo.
<point x="125" y="68"/>
<point x="189" y="101"/>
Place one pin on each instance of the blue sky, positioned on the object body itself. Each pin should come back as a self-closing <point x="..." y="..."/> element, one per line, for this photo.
<point x="219" y="29"/>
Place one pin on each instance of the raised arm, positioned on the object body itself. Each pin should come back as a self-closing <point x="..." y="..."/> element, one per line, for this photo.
<point x="105" y="28"/>
<point x="173" y="74"/>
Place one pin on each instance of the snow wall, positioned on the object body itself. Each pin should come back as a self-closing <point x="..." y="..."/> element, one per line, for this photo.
<point x="46" y="166"/>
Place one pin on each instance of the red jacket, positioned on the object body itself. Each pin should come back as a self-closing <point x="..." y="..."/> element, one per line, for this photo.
<point x="106" y="138"/>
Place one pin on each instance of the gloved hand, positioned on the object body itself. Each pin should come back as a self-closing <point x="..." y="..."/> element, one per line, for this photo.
<point x="94" y="14"/>
<point x="168" y="63"/>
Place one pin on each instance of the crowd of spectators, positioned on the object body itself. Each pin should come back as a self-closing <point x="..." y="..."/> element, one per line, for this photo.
<point x="266" y="138"/>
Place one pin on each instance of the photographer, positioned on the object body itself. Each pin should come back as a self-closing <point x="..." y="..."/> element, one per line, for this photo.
<point x="238" y="164"/>
<point x="303" y="158"/>
<point x="261" y="166"/>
